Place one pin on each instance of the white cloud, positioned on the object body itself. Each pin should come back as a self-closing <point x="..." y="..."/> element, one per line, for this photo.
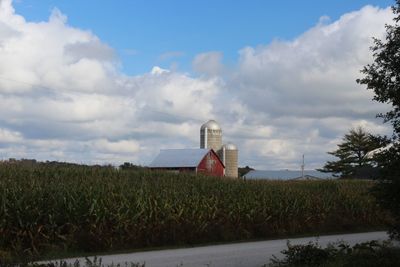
<point x="305" y="88"/>
<point x="62" y="96"/>
<point x="7" y="136"/>
<point x="170" y="55"/>
<point x="314" y="75"/>
<point x="122" y="146"/>
<point x="209" y="63"/>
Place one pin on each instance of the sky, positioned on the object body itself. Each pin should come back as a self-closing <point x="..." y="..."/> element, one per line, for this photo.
<point x="116" y="81"/>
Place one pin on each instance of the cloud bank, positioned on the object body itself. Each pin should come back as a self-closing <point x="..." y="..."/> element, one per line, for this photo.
<point x="63" y="96"/>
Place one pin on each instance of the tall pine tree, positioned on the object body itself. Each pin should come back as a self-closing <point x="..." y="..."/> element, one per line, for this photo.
<point x="351" y="154"/>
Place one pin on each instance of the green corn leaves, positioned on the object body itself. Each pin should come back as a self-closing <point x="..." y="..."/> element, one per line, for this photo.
<point x="48" y="207"/>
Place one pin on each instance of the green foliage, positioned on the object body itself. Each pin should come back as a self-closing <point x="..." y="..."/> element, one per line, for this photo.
<point x="369" y="254"/>
<point x="310" y="254"/>
<point x="387" y="190"/>
<point x="130" y="166"/>
<point x="52" y="207"/>
<point x="383" y="77"/>
<point x="351" y="154"/>
<point x="244" y="170"/>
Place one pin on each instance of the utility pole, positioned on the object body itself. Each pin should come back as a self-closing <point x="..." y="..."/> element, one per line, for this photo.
<point x="302" y="169"/>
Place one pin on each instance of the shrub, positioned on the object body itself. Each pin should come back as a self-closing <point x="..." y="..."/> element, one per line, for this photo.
<point x="368" y="254"/>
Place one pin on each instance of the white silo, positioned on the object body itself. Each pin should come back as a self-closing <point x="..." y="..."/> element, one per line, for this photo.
<point x="229" y="153"/>
<point x="211" y="135"/>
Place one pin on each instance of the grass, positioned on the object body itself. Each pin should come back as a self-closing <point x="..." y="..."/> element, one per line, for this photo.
<point x="95" y="262"/>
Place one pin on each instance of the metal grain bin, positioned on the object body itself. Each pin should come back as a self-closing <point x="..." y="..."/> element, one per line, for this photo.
<point x="230" y="160"/>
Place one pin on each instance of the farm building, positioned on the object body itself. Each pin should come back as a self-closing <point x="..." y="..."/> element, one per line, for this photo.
<point x="204" y="161"/>
<point x="212" y="158"/>
<point x="287" y="175"/>
<point x="211" y="138"/>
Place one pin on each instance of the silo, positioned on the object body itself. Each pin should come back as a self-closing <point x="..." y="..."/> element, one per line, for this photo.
<point x="211" y="135"/>
<point x="230" y="160"/>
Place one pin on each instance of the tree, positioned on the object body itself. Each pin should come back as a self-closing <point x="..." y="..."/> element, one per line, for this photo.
<point x="244" y="170"/>
<point x="383" y="77"/>
<point x="130" y="166"/>
<point x="351" y="154"/>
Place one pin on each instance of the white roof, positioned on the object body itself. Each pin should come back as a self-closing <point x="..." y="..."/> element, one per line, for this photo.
<point x="372" y="153"/>
<point x="286" y="174"/>
<point x="175" y="158"/>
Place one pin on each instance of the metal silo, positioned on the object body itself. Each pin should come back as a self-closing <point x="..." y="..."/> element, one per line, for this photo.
<point x="230" y="160"/>
<point x="211" y="135"/>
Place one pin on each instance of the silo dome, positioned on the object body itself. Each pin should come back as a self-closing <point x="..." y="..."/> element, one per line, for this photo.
<point x="211" y="124"/>
<point x="230" y="146"/>
<point x="211" y="135"/>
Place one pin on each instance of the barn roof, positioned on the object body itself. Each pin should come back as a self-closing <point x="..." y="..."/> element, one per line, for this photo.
<point x="173" y="158"/>
<point x="286" y="175"/>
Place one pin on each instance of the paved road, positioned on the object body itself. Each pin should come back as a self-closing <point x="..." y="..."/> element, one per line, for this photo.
<point x="249" y="254"/>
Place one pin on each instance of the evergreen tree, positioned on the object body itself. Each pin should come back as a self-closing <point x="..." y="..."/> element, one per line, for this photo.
<point x="351" y="154"/>
<point x="383" y="77"/>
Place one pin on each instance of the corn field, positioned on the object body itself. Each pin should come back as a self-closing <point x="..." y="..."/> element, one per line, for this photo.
<point x="55" y="207"/>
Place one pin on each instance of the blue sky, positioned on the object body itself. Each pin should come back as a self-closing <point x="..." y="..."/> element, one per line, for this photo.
<point x="115" y="81"/>
<point x="148" y="33"/>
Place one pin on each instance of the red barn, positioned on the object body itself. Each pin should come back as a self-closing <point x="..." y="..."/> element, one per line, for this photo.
<point x="204" y="161"/>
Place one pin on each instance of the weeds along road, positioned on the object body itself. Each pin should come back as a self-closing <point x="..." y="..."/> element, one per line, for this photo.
<point x="249" y="254"/>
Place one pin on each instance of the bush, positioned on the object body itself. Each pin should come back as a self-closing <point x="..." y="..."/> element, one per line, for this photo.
<point x="368" y="254"/>
<point x="310" y="254"/>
